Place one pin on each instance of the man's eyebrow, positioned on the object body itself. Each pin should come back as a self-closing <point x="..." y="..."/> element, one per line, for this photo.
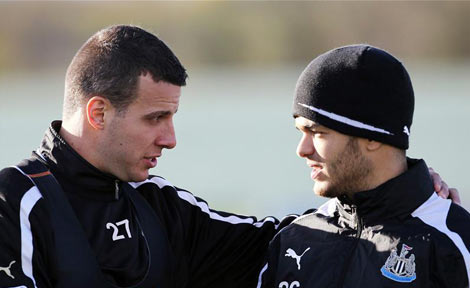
<point x="313" y="126"/>
<point x="158" y="114"/>
<point x="309" y="126"/>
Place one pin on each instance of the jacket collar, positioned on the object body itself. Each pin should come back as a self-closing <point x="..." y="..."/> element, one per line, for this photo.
<point x="396" y="198"/>
<point x="72" y="170"/>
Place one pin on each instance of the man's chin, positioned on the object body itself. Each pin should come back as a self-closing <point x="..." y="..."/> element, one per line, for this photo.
<point x="139" y="177"/>
<point x="319" y="190"/>
<point x="323" y="190"/>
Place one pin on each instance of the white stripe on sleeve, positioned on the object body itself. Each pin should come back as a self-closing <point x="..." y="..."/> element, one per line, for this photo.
<point x="29" y="200"/>
<point x="155" y="180"/>
<point x="260" y="278"/>
<point x="188" y="197"/>
<point x="434" y="213"/>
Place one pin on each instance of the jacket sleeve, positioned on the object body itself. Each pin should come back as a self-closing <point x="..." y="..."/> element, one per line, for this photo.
<point x="22" y="261"/>
<point x="226" y="250"/>
<point x="219" y="249"/>
<point x="267" y="275"/>
<point x="452" y="265"/>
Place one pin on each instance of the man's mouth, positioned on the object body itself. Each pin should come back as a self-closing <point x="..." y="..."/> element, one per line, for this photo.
<point x="151" y="161"/>
<point x="315" y="172"/>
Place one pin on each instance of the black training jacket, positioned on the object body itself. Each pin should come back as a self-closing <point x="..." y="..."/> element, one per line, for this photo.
<point x="198" y="247"/>
<point x="400" y="234"/>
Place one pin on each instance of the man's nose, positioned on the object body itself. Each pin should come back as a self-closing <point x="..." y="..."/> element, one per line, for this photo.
<point x="305" y="147"/>
<point x="168" y="138"/>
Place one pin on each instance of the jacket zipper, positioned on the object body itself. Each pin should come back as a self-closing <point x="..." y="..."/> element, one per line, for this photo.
<point x="116" y="190"/>
<point x="359" y="225"/>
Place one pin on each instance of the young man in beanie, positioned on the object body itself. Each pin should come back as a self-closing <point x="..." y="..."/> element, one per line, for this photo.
<point x="384" y="226"/>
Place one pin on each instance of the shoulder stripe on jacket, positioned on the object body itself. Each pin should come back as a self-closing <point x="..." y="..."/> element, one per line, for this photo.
<point x="434" y="213"/>
<point x="260" y="278"/>
<point x="188" y="197"/>
<point x="28" y="201"/>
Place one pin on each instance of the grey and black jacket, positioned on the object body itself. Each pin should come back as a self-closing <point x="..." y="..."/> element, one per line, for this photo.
<point x="400" y="234"/>
<point x="192" y="246"/>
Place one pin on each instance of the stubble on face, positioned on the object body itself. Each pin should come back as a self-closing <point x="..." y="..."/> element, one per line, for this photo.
<point x="113" y="148"/>
<point x="134" y="138"/>
<point x="348" y="172"/>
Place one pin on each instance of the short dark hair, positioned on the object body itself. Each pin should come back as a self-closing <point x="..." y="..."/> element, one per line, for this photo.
<point x="111" y="61"/>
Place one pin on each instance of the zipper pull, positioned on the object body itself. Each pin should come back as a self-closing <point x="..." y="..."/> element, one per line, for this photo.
<point x="116" y="190"/>
<point x="358" y="225"/>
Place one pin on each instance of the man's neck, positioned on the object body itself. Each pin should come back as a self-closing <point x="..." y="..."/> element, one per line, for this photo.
<point x="76" y="136"/>
<point x="386" y="168"/>
<point x="380" y="173"/>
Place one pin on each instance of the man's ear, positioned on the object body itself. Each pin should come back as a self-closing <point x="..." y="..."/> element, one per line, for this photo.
<point x="372" y="145"/>
<point x="96" y="108"/>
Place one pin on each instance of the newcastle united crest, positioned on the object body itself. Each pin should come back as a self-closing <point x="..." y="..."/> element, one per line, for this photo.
<point x="398" y="267"/>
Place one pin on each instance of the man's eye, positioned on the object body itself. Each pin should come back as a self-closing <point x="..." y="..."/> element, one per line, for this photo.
<point x="154" y="119"/>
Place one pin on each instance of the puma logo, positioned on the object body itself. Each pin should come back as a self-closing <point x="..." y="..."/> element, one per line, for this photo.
<point x="406" y="130"/>
<point x="7" y="269"/>
<point x="291" y="253"/>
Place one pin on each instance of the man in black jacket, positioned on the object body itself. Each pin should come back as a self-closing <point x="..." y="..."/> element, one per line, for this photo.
<point x="117" y="226"/>
<point x="384" y="226"/>
<point x="107" y="223"/>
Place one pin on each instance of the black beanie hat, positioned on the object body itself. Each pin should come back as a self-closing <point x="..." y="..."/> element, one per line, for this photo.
<point x="358" y="90"/>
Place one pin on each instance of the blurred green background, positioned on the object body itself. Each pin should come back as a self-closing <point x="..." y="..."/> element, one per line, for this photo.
<point x="236" y="141"/>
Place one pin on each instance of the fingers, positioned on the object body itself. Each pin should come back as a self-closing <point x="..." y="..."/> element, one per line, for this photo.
<point x="454" y="195"/>
<point x="437" y="182"/>
<point x="442" y="189"/>
<point x="444" y="192"/>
